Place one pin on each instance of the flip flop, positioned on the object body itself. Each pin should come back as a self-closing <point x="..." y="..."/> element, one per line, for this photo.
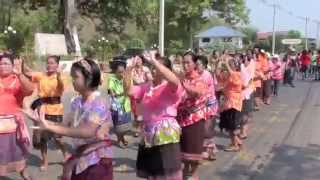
<point x="122" y="168"/>
<point x="232" y="148"/>
<point x="43" y="168"/>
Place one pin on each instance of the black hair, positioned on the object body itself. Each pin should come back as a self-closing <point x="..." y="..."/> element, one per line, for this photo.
<point x="214" y="52"/>
<point x="144" y="62"/>
<point x="115" y="64"/>
<point x="193" y="56"/>
<point x="285" y="58"/>
<point x="203" y="60"/>
<point x="158" y="56"/>
<point x="304" y="52"/>
<point x="166" y="62"/>
<point x="9" y="56"/>
<point x="92" y="76"/>
<point x="236" y="64"/>
<point x="245" y="56"/>
<point x="56" y="58"/>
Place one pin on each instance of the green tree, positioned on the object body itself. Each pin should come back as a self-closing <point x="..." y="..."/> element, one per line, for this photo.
<point x="232" y="11"/>
<point x="184" y="18"/>
<point x="250" y="36"/>
<point x="294" y="34"/>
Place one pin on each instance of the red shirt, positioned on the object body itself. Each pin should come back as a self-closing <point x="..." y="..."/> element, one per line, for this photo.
<point x="305" y="59"/>
<point x="318" y="59"/>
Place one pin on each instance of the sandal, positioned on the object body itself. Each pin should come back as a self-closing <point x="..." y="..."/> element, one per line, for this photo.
<point x="136" y="134"/>
<point x="243" y="137"/>
<point x="125" y="143"/>
<point x="232" y="148"/>
<point x="212" y="157"/>
<point x="43" y="168"/>
<point x="122" y="168"/>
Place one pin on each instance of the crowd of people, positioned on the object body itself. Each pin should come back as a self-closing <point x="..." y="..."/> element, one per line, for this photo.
<point x="172" y="104"/>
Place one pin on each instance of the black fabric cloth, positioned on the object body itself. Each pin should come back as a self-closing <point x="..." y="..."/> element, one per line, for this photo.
<point x="158" y="160"/>
<point x="230" y="120"/>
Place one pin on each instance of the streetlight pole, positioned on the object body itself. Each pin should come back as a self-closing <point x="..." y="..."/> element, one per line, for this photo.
<point x="274" y="30"/>
<point x="317" y="35"/>
<point x="161" y="27"/>
<point x="306" y="33"/>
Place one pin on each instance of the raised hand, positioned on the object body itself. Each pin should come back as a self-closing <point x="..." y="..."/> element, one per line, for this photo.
<point x="61" y="68"/>
<point x="150" y="56"/>
<point x="18" y="66"/>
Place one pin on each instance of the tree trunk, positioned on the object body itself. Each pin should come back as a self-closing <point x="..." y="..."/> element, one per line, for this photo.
<point x="69" y="25"/>
<point x="2" y="15"/>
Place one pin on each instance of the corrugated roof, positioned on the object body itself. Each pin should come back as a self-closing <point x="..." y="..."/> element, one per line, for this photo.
<point x="220" y="31"/>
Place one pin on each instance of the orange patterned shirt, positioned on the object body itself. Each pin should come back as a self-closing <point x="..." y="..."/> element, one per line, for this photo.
<point x="232" y="92"/>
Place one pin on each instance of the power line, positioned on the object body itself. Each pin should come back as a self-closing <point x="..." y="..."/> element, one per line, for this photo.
<point x="289" y="12"/>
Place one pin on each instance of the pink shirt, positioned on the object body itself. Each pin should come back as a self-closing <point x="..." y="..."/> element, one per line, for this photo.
<point x="246" y="76"/>
<point x="276" y="68"/>
<point x="158" y="102"/>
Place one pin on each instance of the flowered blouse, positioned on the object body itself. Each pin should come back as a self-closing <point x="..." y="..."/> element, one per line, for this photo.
<point x="192" y="108"/>
<point x="212" y="103"/>
<point x="159" y="105"/>
<point x="94" y="110"/>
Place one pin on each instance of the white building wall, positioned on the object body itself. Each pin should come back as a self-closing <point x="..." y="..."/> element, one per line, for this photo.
<point x="236" y="41"/>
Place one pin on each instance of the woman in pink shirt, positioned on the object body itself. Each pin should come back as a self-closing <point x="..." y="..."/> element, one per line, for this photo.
<point x="212" y="108"/>
<point x="247" y="75"/>
<point x="159" y="154"/>
<point x="277" y="73"/>
<point x="140" y="74"/>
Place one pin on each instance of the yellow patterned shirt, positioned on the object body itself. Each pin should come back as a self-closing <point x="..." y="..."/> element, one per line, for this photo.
<point x="48" y="87"/>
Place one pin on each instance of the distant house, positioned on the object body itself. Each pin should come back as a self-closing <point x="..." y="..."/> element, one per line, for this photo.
<point x="219" y="34"/>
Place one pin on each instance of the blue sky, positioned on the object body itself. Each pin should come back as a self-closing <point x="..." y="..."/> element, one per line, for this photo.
<point x="261" y="15"/>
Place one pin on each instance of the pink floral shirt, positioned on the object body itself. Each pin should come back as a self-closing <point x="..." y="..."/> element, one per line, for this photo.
<point x="159" y="106"/>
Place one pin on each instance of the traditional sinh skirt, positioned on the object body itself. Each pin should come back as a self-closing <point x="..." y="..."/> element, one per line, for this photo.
<point x="101" y="171"/>
<point x="192" y="139"/>
<point x="266" y="87"/>
<point x="248" y="105"/>
<point x="159" y="154"/>
<point x="12" y="158"/>
<point x="230" y="120"/>
<point x="159" y="161"/>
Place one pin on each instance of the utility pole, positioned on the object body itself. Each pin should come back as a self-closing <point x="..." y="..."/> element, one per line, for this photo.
<point x="161" y="28"/>
<point x="306" y="33"/>
<point x="317" y="35"/>
<point x="274" y="29"/>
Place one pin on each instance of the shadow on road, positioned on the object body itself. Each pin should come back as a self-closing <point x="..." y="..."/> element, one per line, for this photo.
<point x="5" y="178"/>
<point x="288" y="162"/>
<point x="33" y="160"/>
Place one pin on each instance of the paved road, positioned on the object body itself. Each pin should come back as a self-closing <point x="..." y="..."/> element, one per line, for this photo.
<point x="284" y="144"/>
